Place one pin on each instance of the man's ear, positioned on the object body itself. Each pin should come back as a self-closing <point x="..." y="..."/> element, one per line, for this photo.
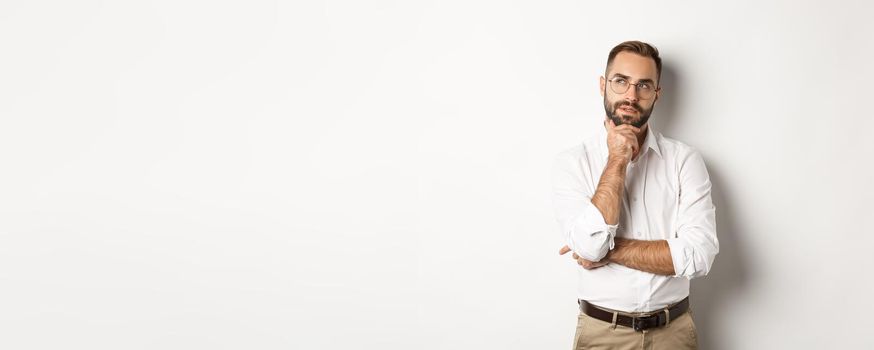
<point x="602" y="83"/>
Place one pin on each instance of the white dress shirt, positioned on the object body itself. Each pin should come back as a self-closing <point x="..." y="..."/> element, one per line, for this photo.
<point x="666" y="197"/>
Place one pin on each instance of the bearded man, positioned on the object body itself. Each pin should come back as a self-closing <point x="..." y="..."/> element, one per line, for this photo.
<point x="634" y="208"/>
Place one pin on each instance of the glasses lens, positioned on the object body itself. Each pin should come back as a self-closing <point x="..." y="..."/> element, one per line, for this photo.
<point x="619" y="86"/>
<point x="645" y="91"/>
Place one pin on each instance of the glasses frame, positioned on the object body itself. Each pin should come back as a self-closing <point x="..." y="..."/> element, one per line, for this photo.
<point x="636" y="87"/>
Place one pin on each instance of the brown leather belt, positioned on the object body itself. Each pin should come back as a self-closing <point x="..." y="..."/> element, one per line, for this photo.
<point x="655" y="319"/>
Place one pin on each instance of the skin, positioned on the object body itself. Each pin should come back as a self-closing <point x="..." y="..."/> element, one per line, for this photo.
<point x="623" y="143"/>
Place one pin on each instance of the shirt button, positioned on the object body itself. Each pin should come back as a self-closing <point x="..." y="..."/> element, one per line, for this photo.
<point x="634" y="199"/>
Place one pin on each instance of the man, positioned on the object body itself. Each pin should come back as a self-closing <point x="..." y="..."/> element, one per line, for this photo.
<point x="634" y="208"/>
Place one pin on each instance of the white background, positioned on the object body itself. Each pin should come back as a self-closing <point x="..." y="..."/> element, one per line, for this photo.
<point x="375" y="174"/>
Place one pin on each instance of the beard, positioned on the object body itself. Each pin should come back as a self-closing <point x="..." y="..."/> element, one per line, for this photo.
<point x="624" y="118"/>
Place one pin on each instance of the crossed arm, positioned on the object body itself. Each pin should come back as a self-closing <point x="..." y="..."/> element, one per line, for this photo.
<point x="649" y="256"/>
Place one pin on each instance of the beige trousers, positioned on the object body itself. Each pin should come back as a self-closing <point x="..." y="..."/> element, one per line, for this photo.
<point x="593" y="334"/>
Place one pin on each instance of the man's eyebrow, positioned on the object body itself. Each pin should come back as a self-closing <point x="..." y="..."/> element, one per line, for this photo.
<point x="620" y="75"/>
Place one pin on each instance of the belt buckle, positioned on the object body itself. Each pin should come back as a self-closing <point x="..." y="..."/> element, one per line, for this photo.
<point x="641" y="324"/>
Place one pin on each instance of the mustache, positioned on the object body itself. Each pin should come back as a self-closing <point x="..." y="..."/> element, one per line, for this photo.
<point x="620" y="104"/>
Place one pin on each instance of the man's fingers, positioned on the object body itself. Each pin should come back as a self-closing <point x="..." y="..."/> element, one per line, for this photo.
<point x="621" y="130"/>
<point x="576" y="256"/>
<point x="588" y="265"/>
<point x="627" y="133"/>
<point x="630" y="137"/>
<point x="564" y="250"/>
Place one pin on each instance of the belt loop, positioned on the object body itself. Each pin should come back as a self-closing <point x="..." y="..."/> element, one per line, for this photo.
<point x="668" y="317"/>
<point x="615" y="316"/>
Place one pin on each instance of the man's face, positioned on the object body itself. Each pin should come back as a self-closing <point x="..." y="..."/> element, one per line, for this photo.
<point x="628" y="107"/>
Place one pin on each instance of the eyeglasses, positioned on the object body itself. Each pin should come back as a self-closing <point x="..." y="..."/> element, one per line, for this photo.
<point x="620" y="85"/>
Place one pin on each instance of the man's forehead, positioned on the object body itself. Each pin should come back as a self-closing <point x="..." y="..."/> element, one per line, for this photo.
<point x="632" y="65"/>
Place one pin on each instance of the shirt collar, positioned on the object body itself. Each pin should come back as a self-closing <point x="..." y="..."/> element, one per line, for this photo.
<point x="651" y="142"/>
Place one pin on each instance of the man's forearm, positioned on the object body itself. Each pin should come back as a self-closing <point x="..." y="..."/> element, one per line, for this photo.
<point x="608" y="195"/>
<point x="649" y="256"/>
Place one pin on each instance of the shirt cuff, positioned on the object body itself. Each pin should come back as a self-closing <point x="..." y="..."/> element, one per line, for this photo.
<point x="681" y="255"/>
<point x="591" y="224"/>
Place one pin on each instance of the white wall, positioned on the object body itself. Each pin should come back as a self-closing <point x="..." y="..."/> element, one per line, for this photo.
<point x="375" y="175"/>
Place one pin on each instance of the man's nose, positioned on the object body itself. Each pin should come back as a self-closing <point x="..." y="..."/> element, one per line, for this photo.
<point x="631" y="94"/>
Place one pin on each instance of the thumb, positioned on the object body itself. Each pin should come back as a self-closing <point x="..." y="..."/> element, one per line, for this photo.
<point x="563" y="250"/>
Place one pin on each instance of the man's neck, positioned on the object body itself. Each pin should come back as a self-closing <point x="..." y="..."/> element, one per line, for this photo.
<point x="642" y="135"/>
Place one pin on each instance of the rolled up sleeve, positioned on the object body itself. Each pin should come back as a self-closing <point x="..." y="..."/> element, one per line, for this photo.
<point x="582" y="225"/>
<point x="694" y="244"/>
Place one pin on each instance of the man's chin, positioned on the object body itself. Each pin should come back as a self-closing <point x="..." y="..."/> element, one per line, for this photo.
<point x="627" y="119"/>
<point x="624" y="119"/>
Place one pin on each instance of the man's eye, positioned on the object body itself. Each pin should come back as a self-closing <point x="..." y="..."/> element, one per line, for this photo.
<point x="621" y="81"/>
<point x="645" y="86"/>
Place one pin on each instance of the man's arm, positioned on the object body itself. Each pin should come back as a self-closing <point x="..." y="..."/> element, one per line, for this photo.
<point x="694" y="245"/>
<point x="583" y="218"/>
<point x="608" y="195"/>
<point x="648" y="256"/>
<point x="622" y="146"/>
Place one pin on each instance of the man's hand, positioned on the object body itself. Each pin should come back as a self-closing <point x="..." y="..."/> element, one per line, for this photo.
<point x="622" y="140"/>
<point x="586" y="264"/>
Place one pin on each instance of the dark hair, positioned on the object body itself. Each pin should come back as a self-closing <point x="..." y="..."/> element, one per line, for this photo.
<point x="640" y="48"/>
